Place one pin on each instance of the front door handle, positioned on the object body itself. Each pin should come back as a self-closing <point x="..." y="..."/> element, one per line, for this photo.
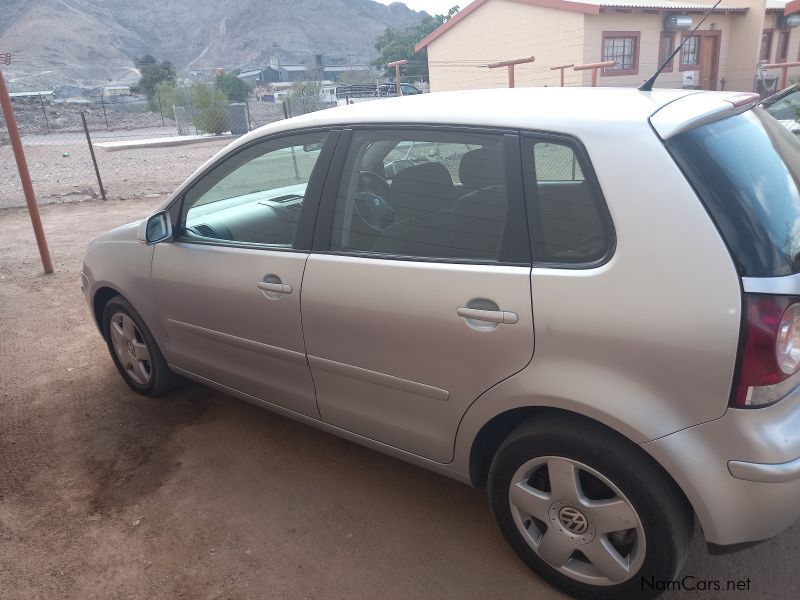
<point x="492" y="316"/>
<point x="275" y="288"/>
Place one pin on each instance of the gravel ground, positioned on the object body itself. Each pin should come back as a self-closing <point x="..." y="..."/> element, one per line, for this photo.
<point x="125" y="173"/>
<point x="105" y="494"/>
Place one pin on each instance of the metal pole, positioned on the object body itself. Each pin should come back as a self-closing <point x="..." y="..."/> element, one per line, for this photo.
<point x="24" y="175"/>
<point x="285" y="110"/>
<point x="103" y="103"/>
<point x="511" y="76"/>
<point x="44" y="112"/>
<point x="511" y="64"/>
<point x="249" y="123"/>
<point x="91" y="151"/>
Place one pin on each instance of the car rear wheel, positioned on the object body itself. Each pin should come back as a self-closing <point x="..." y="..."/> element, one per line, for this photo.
<point x="587" y="511"/>
<point x="134" y="350"/>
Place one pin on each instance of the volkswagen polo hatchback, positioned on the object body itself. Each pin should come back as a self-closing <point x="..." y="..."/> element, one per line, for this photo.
<point x="587" y="300"/>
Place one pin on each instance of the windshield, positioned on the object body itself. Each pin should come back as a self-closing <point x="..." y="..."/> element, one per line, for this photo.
<point x="746" y="171"/>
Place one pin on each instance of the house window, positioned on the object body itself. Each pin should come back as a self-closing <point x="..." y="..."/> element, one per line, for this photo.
<point x="665" y="47"/>
<point x="622" y="47"/>
<point x="783" y="47"/>
<point x="690" y="53"/>
<point x="766" y="46"/>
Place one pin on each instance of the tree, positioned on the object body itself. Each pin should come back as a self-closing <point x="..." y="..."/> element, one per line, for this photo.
<point x="171" y="95"/>
<point x="209" y="109"/>
<point x="395" y="44"/>
<point x="305" y="97"/>
<point x="233" y="87"/>
<point x="153" y="73"/>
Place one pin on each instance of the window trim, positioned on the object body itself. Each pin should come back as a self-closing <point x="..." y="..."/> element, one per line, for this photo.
<point x="671" y="36"/>
<point x="308" y="214"/>
<point x="770" y="33"/>
<point x="323" y="232"/>
<point x="527" y="140"/>
<point x="634" y="70"/>
<point x="684" y="66"/>
<point x="782" y="34"/>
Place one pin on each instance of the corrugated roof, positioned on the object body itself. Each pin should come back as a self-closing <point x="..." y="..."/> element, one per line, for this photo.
<point x="776" y="4"/>
<point x="662" y="4"/>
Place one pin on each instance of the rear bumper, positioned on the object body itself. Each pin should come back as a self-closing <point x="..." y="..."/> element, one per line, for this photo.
<point x="741" y="472"/>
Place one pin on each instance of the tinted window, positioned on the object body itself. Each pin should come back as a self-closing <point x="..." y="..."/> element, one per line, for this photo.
<point x="745" y="169"/>
<point x="568" y="218"/>
<point x="428" y="194"/>
<point x="254" y="196"/>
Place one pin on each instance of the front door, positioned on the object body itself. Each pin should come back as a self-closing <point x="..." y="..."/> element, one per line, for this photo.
<point x="419" y="298"/>
<point x="229" y="285"/>
<point x="709" y="60"/>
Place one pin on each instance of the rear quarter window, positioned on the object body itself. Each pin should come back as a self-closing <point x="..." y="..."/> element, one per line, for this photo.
<point x="745" y="170"/>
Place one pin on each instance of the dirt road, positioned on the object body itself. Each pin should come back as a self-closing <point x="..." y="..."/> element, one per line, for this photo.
<point x="104" y="494"/>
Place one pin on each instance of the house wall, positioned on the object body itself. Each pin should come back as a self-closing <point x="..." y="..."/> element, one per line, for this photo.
<point x="502" y="30"/>
<point x="743" y="53"/>
<point x="649" y="26"/>
<point x="793" y="55"/>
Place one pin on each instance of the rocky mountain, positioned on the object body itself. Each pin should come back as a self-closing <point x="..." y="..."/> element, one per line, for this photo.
<point x="64" y="42"/>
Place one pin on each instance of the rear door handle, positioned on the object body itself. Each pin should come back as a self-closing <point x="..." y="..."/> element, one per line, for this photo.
<point x="492" y="316"/>
<point x="276" y="288"/>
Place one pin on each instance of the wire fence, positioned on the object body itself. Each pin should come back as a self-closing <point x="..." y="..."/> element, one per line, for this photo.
<point x="142" y="146"/>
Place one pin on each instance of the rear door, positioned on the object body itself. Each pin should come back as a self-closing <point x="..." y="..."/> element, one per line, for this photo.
<point x="416" y="298"/>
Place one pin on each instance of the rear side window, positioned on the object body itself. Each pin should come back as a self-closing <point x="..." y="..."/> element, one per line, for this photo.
<point x="745" y="169"/>
<point x="568" y="219"/>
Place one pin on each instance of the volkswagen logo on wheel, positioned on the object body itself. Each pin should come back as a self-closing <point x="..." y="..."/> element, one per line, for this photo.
<point x="573" y="520"/>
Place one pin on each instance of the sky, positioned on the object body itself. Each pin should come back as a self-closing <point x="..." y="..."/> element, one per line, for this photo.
<point x="433" y="7"/>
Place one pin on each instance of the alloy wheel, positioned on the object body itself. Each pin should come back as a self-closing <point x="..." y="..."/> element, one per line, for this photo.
<point x="130" y="348"/>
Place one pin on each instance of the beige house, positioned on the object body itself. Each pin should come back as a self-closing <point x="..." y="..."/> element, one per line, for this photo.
<point x="637" y="34"/>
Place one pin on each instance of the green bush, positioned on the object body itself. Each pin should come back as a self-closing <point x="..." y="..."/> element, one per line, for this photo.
<point x="209" y="104"/>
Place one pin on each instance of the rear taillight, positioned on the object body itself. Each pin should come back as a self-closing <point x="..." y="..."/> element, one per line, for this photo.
<point x="770" y="359"/>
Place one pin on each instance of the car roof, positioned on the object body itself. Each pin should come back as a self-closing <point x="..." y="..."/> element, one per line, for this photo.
<point x="567" y="110"/>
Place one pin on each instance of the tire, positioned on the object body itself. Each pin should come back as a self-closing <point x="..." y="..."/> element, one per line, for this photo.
<point x="134" y="350"/>
<point x="566" y="490"/>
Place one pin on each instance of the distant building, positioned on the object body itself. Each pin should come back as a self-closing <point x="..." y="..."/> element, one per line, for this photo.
<point x="111" y="91"/>
<point x="638" y="34"/>
<point x="277" y="72"/>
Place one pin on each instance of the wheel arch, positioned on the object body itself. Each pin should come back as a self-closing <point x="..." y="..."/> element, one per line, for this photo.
<point x="496" y="430"/>
<point x="100" y="298"/>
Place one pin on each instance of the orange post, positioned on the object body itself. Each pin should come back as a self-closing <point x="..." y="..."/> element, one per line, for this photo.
<point x="511" y="64"/>
<point x="561" y="68"/>
<point x="24" y="175"/>
<point x="396" y="64"/>
<point x="594" y="67"/>
<point x="784" y="67"/>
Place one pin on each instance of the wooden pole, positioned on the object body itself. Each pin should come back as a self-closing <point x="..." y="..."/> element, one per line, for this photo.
<point x="396" y="64"/>
<point x="594" y="67"/>
<point x="561" y="68"/>
<point x="784" y="67"/>
<point x="24" y="175"/>
<point x="511" y="64"/>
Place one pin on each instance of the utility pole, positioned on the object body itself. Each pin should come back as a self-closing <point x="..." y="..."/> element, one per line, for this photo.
<point x="22" y="167"/>
<point x="511" y="64"/>
<point x="396" y="64"/>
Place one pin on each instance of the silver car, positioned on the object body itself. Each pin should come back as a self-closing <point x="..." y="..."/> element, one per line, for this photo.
<point x="585" y="300"/>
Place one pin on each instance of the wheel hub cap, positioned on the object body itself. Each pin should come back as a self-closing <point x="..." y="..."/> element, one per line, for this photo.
<point x="571" y="523"/>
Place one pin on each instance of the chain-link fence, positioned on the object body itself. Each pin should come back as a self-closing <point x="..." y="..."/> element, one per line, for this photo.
<point x="142" y="146"/>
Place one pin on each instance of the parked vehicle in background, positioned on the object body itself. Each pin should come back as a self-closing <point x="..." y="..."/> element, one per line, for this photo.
<point x="785" y="106"/>
<point x="606" y="335"/>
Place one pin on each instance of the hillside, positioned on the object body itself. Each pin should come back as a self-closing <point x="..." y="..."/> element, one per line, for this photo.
<point x="90" y="41"/>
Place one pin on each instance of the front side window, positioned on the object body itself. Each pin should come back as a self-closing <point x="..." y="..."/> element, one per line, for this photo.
<point x="623" y="49"/>
<point x="254" y="196"/>
<point x="568" y="219"/>
<point x="427" y="194"/>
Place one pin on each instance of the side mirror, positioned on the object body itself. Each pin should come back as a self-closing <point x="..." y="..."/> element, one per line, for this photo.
<point x="156" y="228"/>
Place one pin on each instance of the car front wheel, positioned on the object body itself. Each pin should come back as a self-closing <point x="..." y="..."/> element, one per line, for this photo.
<point x="587" y="511"/>
<point x="134" y="350"/>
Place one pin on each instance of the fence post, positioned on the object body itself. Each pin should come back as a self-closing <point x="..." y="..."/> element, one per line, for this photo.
<point x="91" y="151"/>
<point x="44" y="112"/>
<point x="105" y="118"/>
<point x="24" y="174"/>
<point x="160" y="110"/>
<point x="249" y="124"/>
<point x="285" y="109"/>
